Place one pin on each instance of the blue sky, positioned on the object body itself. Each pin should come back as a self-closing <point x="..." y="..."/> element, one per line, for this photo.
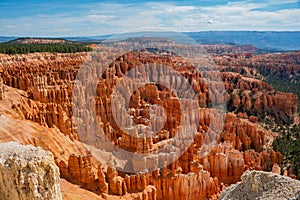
<point x="82" y="18"/>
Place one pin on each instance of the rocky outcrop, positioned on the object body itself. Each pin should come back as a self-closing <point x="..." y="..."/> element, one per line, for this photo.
<point x="245" y="75"/>
<point x="25" y="71"/>
<point x="167" y="183"/>
<point x="27" y="172"/>
<point x="284" y="64"/>
<point x="47" y="79"/>
<point x="252" y="96"/>
<point x="262" y="185"/>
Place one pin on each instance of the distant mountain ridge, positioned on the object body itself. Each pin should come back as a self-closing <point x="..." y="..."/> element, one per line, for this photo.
<point x="278" y="41"/>
<point x="6" y="39"/>
<point x="29" y="40"/>
<point x="268" y="40"/>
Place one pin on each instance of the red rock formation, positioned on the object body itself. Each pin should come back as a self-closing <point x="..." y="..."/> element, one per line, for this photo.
<point x="282" y="105"/>
<point x="42" y="115"/>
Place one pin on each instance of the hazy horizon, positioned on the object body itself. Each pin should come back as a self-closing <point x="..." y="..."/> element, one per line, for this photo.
<point x="103" y="35"/>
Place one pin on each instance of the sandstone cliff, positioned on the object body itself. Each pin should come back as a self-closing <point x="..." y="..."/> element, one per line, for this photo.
<point x="28" y="173"/>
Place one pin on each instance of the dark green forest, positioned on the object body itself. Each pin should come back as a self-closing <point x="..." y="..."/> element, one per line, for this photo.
<point x="288" y="143"/>
<point x="18" y="48"/>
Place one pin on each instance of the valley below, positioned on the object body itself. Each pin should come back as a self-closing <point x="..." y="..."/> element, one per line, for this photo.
<point x="244" y="117"/>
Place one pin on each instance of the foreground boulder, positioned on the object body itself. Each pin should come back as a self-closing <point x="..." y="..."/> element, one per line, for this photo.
<point x="262" y="185"/>
<point x="27" y="172"/>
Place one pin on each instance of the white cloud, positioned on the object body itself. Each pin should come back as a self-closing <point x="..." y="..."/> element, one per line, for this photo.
<point x="245" y="17"/>
<point x="176" y="9"/>
<point x="102" y="18"/>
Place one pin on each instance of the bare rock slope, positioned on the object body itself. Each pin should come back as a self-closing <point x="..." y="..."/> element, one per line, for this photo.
<point x="27" y="172"/>
<point x="262" y="185"/>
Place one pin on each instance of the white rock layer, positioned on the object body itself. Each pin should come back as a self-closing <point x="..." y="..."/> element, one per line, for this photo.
<point x="259" y="185"/>
<point x="27" y="172"/>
